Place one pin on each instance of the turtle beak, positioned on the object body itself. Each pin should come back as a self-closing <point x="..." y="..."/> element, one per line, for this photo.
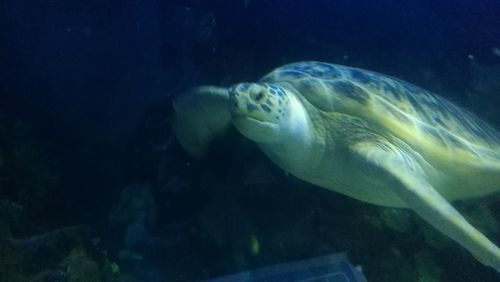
<point x="237" y="98"/>
<point x="234" y="104"/>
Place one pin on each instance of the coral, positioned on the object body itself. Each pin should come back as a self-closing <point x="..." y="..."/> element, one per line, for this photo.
<point x="67" y="254"/>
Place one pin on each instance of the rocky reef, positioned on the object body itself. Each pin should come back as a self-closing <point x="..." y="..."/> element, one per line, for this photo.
<point x="32" y="247"/>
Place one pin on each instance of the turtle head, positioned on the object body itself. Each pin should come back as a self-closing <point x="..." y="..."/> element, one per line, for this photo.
<point x="263" y="112"/>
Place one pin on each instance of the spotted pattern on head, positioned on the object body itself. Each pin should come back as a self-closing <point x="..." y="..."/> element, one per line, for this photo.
<point x="264" y="102"/>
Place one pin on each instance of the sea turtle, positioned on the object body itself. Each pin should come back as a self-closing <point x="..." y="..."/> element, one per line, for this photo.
<point x="367" y="135"/>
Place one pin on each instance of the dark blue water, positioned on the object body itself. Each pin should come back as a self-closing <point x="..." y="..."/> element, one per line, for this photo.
<point x="85" y="140"/>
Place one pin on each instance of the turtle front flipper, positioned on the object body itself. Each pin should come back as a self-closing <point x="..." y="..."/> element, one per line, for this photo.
<point x="200" y="116"/>
<point x="410" y="183"/>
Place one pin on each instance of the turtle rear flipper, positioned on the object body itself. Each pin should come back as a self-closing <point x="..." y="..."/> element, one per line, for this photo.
<point x="411" y="185"/>
<point x="201" y="115"/>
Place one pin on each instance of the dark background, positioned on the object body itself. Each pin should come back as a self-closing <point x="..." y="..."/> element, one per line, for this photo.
<point x="90" y="82"/>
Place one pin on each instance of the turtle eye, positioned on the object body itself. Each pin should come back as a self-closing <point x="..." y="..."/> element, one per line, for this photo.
<point x="259" y="97"/>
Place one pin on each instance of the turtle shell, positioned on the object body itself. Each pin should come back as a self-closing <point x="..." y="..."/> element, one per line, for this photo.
<point x="427" y="122"/>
